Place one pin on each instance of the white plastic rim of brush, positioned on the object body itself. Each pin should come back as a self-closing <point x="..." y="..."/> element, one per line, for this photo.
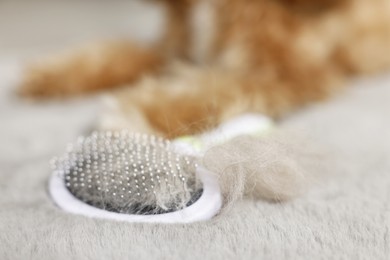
<point x="206" y="207"/>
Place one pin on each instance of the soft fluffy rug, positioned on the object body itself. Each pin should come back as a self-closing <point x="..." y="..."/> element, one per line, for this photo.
<point x="345" y="216"/>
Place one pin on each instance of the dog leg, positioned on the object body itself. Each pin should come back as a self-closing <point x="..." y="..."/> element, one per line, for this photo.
<point x="87" y="70"/>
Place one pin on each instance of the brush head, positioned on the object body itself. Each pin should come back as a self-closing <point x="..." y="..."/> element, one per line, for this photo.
<point x="129" y="173"/>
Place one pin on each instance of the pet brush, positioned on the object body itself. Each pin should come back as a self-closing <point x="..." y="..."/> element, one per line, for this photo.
<point x="133" y="177"/>
<point x="141" y="178"/>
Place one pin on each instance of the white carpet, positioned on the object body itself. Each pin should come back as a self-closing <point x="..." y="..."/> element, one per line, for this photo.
<point x="345" y="217"/>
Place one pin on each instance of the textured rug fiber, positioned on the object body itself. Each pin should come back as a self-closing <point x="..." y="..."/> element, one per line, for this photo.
<point x="346" y="216"/>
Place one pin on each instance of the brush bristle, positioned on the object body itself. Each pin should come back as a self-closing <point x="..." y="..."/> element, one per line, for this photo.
<point x="129" y="173"/>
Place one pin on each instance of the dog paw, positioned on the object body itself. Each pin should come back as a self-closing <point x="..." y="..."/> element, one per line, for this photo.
<point x="38" y="83"/>
<point x="52" y="79"/>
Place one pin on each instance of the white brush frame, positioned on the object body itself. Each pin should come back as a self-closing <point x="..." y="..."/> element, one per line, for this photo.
<point x="206" y="207"/>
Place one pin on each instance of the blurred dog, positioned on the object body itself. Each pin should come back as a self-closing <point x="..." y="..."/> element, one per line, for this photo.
<point x="235" y="56"/>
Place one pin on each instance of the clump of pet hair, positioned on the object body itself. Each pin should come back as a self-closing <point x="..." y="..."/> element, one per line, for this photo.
<point x="267" y="168"/>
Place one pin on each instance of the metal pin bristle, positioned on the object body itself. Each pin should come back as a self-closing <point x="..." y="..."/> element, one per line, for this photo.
<point x="129" y="173"/>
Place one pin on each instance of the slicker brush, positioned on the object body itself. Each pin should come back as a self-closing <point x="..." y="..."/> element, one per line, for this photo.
<point x="134" y="177"/>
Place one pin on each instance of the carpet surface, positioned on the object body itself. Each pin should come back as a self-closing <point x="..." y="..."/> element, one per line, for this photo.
<point x="346" y="216"/>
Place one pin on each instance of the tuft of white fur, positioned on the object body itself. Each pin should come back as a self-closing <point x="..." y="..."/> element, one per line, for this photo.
<point x="116" y="116"/>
